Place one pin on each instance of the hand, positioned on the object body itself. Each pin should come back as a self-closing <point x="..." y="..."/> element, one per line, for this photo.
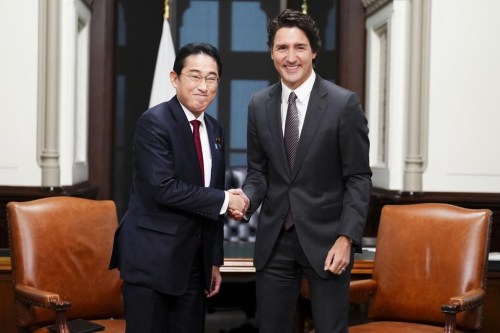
<point x="216" y="282"/>
<point x="339" y="256"/>
<point x="237" y="214"/>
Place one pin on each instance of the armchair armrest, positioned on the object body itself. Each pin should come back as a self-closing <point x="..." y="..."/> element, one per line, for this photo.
<point x="465" y="302"/>
<point x="37" y="297"/>
<point x="46" y="299"/>
<point x="361" y="290"/>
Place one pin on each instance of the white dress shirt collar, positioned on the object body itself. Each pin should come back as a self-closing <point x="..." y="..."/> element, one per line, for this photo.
<point x="303" y="91"/>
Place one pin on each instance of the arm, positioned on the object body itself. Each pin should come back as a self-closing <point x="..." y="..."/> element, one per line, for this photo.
<point x="163" y="173"/>
<point x="354" y="150"/>
<point x="255" y="185"/>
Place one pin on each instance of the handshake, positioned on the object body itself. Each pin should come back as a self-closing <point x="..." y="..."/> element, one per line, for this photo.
<point x="238" y="204"/>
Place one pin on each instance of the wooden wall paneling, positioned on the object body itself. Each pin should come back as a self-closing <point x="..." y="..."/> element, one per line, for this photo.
<point x="101" y="94"/>
<point x="381" y="197"/>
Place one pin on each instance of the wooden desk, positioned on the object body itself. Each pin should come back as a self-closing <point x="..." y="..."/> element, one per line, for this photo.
<point x="7" y="309"/>
<point x="239" y="262"/>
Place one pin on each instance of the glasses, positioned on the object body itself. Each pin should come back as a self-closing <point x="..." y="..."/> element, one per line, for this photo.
<point x="210" y="80"/>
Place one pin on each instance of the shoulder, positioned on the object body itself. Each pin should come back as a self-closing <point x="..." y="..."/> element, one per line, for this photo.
<point x="328" y="87"/>
<point x="267" y="93"/>
<point x="168" y="109"/>
<point x="334" y="93"/>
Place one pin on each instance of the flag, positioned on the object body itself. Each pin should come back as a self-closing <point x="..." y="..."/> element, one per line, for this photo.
<point x="162" y="89"/>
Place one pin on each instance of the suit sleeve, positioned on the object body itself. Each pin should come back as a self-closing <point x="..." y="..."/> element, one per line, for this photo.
<point x="256" y="180"/>
<point x="156" y="163"/>
<point x="354" y="155"/>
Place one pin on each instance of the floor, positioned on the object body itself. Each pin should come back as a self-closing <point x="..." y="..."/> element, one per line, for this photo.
<point x="237" y="321"/>
<point x="229" y="321"/>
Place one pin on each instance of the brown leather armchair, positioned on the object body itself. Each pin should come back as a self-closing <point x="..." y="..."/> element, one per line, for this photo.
<point x="60" y="251"/>
<point x="429" y="270"/>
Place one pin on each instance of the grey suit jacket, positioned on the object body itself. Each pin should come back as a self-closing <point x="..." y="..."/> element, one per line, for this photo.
<point x="330" y="185"/>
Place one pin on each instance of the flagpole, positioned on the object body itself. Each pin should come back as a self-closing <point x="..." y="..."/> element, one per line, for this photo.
<point x="304" y="6"/>
<point x="162" y="89"/>
<point x="166" y="13"/>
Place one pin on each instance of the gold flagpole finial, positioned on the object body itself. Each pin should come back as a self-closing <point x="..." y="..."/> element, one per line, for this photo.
<point x="304" y="7"/>
<point x="166" y="14"/>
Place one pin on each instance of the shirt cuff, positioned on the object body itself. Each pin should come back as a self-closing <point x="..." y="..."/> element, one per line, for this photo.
<point x="225" y="204"/>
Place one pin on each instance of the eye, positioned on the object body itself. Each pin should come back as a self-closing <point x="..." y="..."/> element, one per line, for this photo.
<point x="195" y="77"/>
<point x="212" y="79"/>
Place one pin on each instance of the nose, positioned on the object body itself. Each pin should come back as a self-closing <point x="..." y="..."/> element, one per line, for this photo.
<point x="203" y="84"/>
<point x="291" y="56"/>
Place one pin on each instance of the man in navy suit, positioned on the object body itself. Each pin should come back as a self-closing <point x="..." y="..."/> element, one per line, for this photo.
<point x="312" y="176"/>
<point x="169" y="244"/>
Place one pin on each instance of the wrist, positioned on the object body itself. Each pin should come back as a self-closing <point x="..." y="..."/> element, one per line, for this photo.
<point x="349" y="239"/>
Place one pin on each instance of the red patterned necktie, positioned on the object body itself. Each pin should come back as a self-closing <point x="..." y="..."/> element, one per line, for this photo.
<point x="291" y="139"/>
<point x="197" y="142"/>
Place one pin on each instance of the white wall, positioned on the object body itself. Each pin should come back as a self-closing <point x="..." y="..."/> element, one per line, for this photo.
<point x="459" y="139"/>
<point x="18" y="93"/>
<point x="21" y="115"/>
<point x="464" y="99"/>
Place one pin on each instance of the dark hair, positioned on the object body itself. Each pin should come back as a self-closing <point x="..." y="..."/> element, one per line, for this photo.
<point x="291" y="18"/>
<point x="196" y="48"/>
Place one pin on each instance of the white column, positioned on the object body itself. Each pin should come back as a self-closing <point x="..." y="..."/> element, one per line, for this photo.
<point x="418" y="97"/>
<point x="48" y="93"/>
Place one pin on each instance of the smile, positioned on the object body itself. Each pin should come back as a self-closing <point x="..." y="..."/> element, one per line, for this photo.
<point x="292" y="68"/>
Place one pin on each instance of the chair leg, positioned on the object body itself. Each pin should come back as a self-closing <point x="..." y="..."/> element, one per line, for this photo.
<point x="449" y="323"/>
<point x="61" y="319"/>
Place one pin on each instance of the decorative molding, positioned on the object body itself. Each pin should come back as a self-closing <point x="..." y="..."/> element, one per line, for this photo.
<point x="373" y="5"/>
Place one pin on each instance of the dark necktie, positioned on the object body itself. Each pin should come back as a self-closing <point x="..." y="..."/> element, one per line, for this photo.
<point x="197" y="142"/>
<point x="291" y="139"/>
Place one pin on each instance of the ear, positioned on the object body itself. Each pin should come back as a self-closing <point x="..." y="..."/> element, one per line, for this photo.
<point x="174" y="79"/>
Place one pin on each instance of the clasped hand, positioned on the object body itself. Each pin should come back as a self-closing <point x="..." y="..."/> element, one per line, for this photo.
<point x="238" y="204"/>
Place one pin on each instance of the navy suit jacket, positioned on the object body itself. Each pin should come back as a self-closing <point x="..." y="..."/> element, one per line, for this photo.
<point x="329" y="188"/>
<point x="170" y="213"/>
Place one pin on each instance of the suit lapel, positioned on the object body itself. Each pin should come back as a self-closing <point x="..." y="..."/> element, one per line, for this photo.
<point x="273" y="112"/>
<point x="215" y="144"/>
<point x="315" y="110"/>
<point x="185" y="131"/>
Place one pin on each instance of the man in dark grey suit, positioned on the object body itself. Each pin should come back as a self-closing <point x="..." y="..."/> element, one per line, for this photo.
<point x="168" y="246"/>
<point x="311" y="173"/>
